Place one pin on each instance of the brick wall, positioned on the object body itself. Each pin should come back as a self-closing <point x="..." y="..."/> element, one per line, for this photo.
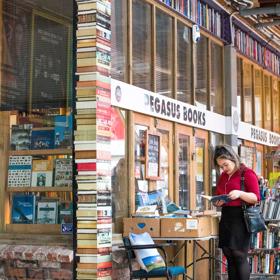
<point x="24" y="262"/>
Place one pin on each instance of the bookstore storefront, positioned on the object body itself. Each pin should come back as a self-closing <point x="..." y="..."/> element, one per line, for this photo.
<point x="36" y="115"/>
<point x="70" y="158"/>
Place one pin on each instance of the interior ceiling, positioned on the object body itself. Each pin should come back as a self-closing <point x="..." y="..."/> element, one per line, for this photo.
<point x="269" y="23"/>
<point x="262" y="15"/>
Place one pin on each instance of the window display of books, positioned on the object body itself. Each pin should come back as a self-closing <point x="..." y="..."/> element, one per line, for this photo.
<point x="31" y="209"/>
<point x="39" y="180"/>
<point x="56" y="135"/>
<point x="28" y="171"/>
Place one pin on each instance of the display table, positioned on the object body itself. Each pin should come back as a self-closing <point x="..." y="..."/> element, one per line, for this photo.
<point x="206" y="253"/>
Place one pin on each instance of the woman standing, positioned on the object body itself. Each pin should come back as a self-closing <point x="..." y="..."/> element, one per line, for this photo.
<point x="234" y="239"/>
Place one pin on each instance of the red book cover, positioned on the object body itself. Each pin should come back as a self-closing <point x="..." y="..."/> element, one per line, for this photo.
<point x="86" y="166"/>
<point x="104" y="272"/>
<point x="104" y="265"/>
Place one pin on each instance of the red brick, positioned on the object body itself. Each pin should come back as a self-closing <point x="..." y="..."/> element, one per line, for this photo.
<point x="26" y="264"/>
<point x="65" y="255"/>
<point x="19" y="251"/>
<point x="46" y="264"/>
<point x="68" y="266"/>
<point x="8" y="252"/>
<point x="2" y="250"/>
<point x="15" y="272"/>
<point x="29" y="254"/>
<point x="61" y="274"/>
<point x="36" y="273"/>
<point x="52" y="254"/>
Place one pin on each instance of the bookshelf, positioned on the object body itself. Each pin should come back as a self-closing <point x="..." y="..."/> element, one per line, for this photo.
<point x="255" y="50"/>
<point x="39" y="189"/>
<point x="34" y="228"/>
<point x="41" y="152"/>
<point x="199" y="12"/>
<point x="38" y="180"/>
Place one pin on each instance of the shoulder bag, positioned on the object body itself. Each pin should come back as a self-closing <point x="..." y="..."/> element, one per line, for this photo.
<point x="253" y="217"/>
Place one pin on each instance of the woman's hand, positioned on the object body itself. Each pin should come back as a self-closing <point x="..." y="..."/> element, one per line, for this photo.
<point x="219" y="203"/>
<point x="234" y="194"/>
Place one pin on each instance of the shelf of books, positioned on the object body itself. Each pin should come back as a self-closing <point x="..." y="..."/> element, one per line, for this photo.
<point x="92" y="141"/>
<point x="265" y="246"/>
<point x="199" y="12"/>
<point x="264" y="253"/>
<point x="253" y="49"/>
<point x="39" y="173"/>
<point x="42" y="152"/>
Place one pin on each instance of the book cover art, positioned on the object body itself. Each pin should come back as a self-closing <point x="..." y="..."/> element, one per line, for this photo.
<point x="19" y="171"/>
<point x="65" y="213"/>
<point x="23" y="209"/>
<point x="42" y="173"/>
<point x="63" y="172"/>
<point x="42" y="139"/>
<point x="62" y="131"/>
<point x="21" y="137"/>
<point x="47" y="212"/>
<point x="104" y="237"/>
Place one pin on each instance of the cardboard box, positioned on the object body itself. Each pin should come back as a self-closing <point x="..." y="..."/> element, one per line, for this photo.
<point x="215" y="225"/>
<point x="140" y="225"/>
<point x="185" y="227"/>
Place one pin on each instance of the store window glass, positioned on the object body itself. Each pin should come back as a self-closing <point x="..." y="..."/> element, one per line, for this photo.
<point x="247" y="156"/>
<point x="200" y="171"/>
<point x="141" y="183"/>
<point x="201" y="62"/>
<point x="216" y="89"/>
<point x="119" y="169"/>
<point x="36" y="116"/>
<point x="184" y="63"/>
<point x="141" y="45"/>
<point x="215" y="139"/>
<point x="239" y="84"/>
<point x="119" y="40"/>
<point x="275" y="103"/>
<point x="184" y="171"/>
<point x="259" y="161"/>
<point x="258" y="98"/>
<point x="267" y="102"/>
<point x="164" y="54"/>
<point x="247" y="92"/>
<point x="163" y="183"/>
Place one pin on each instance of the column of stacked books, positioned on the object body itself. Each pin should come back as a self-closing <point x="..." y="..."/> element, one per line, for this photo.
<point x="92" y="140"/>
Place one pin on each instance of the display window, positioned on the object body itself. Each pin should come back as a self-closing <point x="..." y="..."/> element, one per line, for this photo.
<point x="36" y="118"/>
<point x="170" y="164"/>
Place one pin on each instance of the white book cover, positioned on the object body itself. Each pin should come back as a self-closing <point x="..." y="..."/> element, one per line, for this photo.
<point x="20" y="170"/>
<point x="47" y="212"/>
<point x="85" y="105"/>
<point x="42" y="173"/>
<point x="63" y="172"/>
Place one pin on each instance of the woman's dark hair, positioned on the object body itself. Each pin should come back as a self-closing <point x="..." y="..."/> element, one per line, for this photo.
<point x="226" y="152"/>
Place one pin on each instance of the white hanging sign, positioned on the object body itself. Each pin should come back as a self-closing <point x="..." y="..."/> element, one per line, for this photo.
<point x="146" y="102"/>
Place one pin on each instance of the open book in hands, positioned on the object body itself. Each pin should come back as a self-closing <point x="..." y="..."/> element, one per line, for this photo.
<point x="215" y="198"/>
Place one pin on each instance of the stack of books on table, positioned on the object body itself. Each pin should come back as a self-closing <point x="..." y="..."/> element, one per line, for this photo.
<point x="92" y="140"/>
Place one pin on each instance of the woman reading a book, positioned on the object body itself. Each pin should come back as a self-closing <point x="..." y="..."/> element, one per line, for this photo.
<point x="234" y="239"/>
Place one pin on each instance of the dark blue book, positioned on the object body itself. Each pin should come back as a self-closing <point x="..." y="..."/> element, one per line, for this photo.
<point x="42" y="139"/>
<point x="23" y="209"/>
<point x="62" y="130"/>
<point x="215" y="198"/>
